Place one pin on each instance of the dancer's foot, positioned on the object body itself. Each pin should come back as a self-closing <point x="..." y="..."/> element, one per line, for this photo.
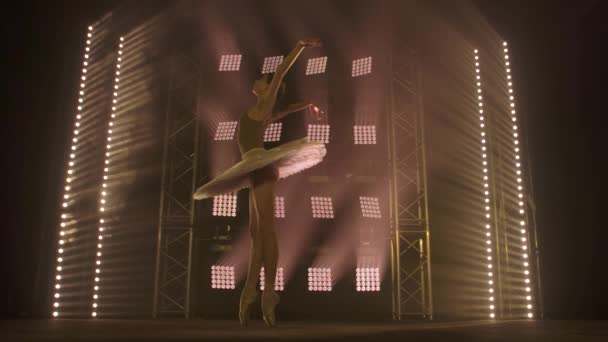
<point x="270" y="299"/>
<point x="245" y="307"/>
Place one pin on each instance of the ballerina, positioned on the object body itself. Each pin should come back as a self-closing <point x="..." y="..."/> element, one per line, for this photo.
<point x="259" y="170"/>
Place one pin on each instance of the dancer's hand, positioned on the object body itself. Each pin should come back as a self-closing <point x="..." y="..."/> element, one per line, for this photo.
<point x="311" y="42"/>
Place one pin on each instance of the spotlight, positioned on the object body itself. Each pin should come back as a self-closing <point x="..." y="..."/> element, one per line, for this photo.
<point x="273" y="132"/>
<point x="271" y="64"/>
<point x="316" y="66"/>
<point x="225" y="131"/>
<point x="362" y="66"/>
<point x="365" y="135"/>
<point x="224" y="205"/>
<point x="230" y="62"/>
<point x="318" y="133"/>
<point x="322" y="207"/>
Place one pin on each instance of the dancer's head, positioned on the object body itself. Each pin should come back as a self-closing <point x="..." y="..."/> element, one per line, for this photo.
<point x="260" y="86"/>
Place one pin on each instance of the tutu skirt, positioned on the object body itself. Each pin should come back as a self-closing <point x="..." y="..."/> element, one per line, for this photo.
<point x="287" y="159"/>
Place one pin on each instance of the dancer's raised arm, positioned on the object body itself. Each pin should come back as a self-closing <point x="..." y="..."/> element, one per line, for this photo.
<point x="267" y="100"/>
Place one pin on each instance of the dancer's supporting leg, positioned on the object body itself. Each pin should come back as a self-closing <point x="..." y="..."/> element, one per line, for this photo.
<point x="255" y="263"/>
<point x="264" y="200"/>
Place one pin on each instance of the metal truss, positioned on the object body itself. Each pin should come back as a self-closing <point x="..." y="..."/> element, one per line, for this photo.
<point x="180" y="160"/>
<point x="410" y="244"/>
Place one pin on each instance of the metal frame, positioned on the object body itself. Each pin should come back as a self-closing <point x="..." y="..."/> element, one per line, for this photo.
<point x="176" y="217"/>
<point x="410" y="243"/>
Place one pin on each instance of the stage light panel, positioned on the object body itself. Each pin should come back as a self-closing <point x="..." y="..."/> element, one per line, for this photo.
<point x="279" y="284"/>
<point x="316" y="65"/>
<point x="365" y="135"/>
<point x="273" y="132"/>
<point x="322" y="207"/>
<point x="318" y="133"/>
<point x="368" y="279"/>
<point x="279" y="207"/>
<point x="222" y="277"/>
<point x="319" y="279"/>
<point x="271" y="64"/>
<point x="370" y="207"/>
<point x="225" y="131"/>
<point x="362" y="66"/>
<point x="224" y="205"/>
<point x="230" y="62"/>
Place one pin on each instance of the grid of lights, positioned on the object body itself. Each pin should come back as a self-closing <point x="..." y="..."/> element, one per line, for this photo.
<point x="279" y="284"/>
<point x="486" y="189"/>
<point x="319" y="279"/>
<point x="222" y="277"/>
<point x="67" y="195"/>
<point x="370" y="207"/>
<point x="316" y="66"/>
<point x="225" y="131"/>
<point x="318" y="133"/>
<point x="230" y="62"/>
<point x="322" y="207"/>
<point x="224" y="205"/>
<point x="104" y="186"/>
<point x="362" y="66"/>
<point x="273" y="132"/>
<point x="271" y="64"/>
<point x="365" y="135"/>
<point x="520" y="192"/>
<point x="279" y="207"/>
<point x="368" y="279"/>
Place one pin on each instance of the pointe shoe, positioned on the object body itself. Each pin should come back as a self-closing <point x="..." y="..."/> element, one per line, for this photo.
<point x="245" y="310"/>
<point x="269" y="302"/>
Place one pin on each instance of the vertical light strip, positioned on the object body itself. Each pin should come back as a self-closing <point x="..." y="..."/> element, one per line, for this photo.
<point x="486" y="189"/>
<point x="104" y="194"/>
<point x="520" y="189"/>
<point x="67" y="194"/>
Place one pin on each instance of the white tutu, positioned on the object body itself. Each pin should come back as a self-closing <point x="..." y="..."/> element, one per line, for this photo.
<point x="287" y="159"/>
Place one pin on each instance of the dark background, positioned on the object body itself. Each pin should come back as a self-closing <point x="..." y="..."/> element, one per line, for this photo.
<point x="561" y="81"/>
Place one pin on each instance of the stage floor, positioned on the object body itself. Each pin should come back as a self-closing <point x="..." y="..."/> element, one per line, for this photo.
<point x="207" y="330"/>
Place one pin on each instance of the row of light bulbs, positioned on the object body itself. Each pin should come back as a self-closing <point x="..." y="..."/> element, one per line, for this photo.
<point x="518" y="172"/>
<point x="520" y="192"/>
<point x="486" y="188"/>
<point x="104" y="186"/>
<point x="68" y="193"/>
